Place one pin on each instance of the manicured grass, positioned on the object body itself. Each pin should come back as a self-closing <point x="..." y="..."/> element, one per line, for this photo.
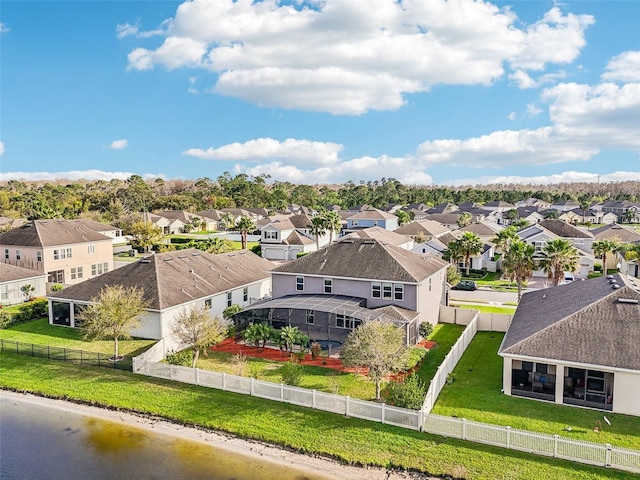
<point x="475" y="395"/>
<point x="445" y="335"/>
<point x="40" y="332"/>
<point x="486" y="308"/>
<point x="314" y="378"/>
<point x="305" y="430"/>
<point x="493" y="280"/>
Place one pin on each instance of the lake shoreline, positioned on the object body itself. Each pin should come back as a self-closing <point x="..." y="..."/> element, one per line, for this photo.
<point x="312" y="464"/>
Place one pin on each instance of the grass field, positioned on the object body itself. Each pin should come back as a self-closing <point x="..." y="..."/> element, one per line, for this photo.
<point x="486" y="308"/>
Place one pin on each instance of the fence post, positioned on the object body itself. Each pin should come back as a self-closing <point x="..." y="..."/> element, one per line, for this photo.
<point x="346" y="407"/>
<point x="420" y="420"/>
<point x="224" y="382"/>
<point x="464" y="429"/>
<point x="555" y="445"/>
<point x="607" y="462"/>
<point x="508" y="437"/>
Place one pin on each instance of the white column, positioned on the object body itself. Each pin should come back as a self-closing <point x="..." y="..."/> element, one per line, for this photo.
<point x="506" y="375"/>
<point x="559" y="383"/>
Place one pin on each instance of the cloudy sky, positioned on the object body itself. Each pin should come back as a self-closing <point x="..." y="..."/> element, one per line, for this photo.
<point x="321" y="91"/>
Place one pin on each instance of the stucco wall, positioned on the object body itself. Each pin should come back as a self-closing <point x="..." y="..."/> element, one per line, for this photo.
<point x="626" y="393"/>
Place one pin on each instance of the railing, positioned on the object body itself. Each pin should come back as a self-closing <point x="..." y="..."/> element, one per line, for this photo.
<point x="537" y="443"/>
<point x="66" y="355"/>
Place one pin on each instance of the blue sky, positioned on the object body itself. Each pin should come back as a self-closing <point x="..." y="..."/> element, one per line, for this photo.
<point x="321" y="91"/>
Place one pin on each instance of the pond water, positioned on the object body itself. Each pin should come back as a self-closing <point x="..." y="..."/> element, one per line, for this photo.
<point x="37" y="441"/>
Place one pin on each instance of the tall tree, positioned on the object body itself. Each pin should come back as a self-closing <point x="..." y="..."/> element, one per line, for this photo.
<point x="403" y="217"/>
<point x="245" y="225"/>
<point x="601" y="248"/>
<point x="196" y="329"/>
<point x="464" y="219"/>
<point x="377" y="346"/>
<point x="144" y="235"/>
<point x="519" y="263"/>
<point x="505" y="237"/>
<point x="333" y="224"/>
<point x="559" y="256"/>
<point x="317" y="228"/>
<point x="469" y="246"/>
<point x="113" y="314"/>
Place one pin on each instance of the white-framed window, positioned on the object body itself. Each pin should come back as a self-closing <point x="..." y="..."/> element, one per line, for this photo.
<point x="68" y="253"/>
<point x="38" y="255"/>
<point x="76" y="273"/>
<point x="6" y="254"/>
<point x="56" y="254"/>
<point x="229" y="300"/>
<point x="207" y="304"/>
<point x="344" y="321"/>
<point x="300" y="284"/>
<point x="245" y="294"/>
<point x="311" y="317"/>
<point x="328" y="285"/>
<point x="376" y="290"/>
<point x="57" y="276"/>
<point x="270" y="235"/>
<point x="4" y="292"/>
<point x="99" y="268"/>
<point x="91" y="248"/>
<point x="387" y="291"/>
<point x="18" y="255"/>
<point x="398" y="291"/>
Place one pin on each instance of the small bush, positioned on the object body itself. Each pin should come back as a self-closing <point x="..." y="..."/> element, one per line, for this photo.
<point x="6" y="319"/>
<point x="316" y="350"/>
<point x="56" y="287"/>
<point x="597" y="267"/>
<point x="407" y="394"/>
<point x="291" y="373"/>
<point x="425" y="329"/>
<point x="240" y="364"/>
<point x="415" y="356"/>
<point x="183" y="358"/>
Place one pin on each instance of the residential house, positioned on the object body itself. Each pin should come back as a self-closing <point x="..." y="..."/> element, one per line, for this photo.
<point x="330" y="292"/>
<point x="114" y="233"/>
<point x="577" y="344"/>
<point x="173" y="282"/>
<point x="443" y="208"/>
<point x="212" y="218"/>
<point x="565" y="205"/>
<point x="371" y="217"/>
<point x="13" y="278"/>
<point x="284" y="237"/>
<point x="580" y="238"/>
<point x="422" y="229"/>
<point x="626" y="211"/>
<point x="530" y="214"/>
<point x="449" y="220"/>
<point x="617" y="233"/>
<point x="384" y="236"/>
<point x="486" y="231"/>
<point x="499" y="206"/>
<point x="534" y="202"/>
<point x="65" y="250"/>
<point x="577" y="215"/>
<point x="7" y="223"/>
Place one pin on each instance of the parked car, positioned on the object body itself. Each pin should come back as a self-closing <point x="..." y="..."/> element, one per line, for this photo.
<point x="568" y="278"/>
<point x="465" y="285"/>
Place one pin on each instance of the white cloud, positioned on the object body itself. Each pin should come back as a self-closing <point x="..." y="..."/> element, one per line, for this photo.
<point x="624" y="68"/>
<point x="564" y="177"/>
<point x="4" y="28"/>
<point x="347" y="57"/>
<point x="512" y="116"/>
<point x="533" y="110"/>
<point x="1" y="148"/>
<point x="126" y="29"/>
<point x="305" y="151"/>
<point x="73" y="175"/>
<point x="118" y="144"/>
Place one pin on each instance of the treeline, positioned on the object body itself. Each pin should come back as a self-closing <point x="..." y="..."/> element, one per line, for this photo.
<point x="109" y="200"/>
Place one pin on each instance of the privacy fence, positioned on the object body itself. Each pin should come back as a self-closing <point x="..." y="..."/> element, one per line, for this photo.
<point x="78" y="357"/>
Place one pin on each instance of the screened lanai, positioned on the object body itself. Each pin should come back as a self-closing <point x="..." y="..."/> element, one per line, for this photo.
<point x="320" y="317"/>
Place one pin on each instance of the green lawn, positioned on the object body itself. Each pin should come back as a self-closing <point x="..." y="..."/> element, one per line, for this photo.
<point x="475" y="395"/>
<point x="40" y="332"/>
<point x="445" y="335"/>
<point x="486" y="308"/>
<point x="493" y="280"/>
<point x="349" y="440"/>
<point x="318" y="378"/>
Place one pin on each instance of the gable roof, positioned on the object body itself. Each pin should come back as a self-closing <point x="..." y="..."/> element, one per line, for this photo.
<point x="424" y="227"/>
<point x="371" y="214"/>
<point x="296" y="238"/>
<point x="482" y="228"/>
<point x="11" y="273"/>
<point x="380" y="234"/>
<point x="97" y="226"/>
<point x="173" y="278"/>
<point x="564" y="229"/>
<point x="50" y="233"/>
<point x="582" y="322"/>
<point x="618" y="232"/>
<point x="367" y="259"/>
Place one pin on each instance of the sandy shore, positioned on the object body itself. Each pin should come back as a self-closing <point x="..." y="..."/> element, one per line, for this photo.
<point x="318" y="466"/>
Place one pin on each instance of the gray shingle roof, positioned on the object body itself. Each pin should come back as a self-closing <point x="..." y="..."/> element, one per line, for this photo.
<point x="581" y="322"/>
<point x="173" y="278"/>
<point x="424" y="227"/>
<point x="372" y="214"/>
<point x="369" y="259"/>
<point x="616" y="232"/>
<point x="10" y="273"/>
<point x="564" y="229"/>
<point x="49" y="233"/>
<point x="380" y="234"/>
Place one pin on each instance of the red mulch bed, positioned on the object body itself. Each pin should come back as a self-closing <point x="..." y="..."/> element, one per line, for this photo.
<point x="276" y="355"/>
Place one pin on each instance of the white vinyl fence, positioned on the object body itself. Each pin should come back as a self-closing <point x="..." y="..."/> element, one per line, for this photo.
<point x="537" y="443"/>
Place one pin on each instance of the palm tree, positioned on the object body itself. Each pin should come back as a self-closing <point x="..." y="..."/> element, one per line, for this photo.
<point x="584" y="206"/>
<point x="245" y="225"/>
<point x="333" y="224"/>
<point x="464" y="219"/>
<point x="601" y="248"/>
<point x="470" y="245"/>
<point x="519" y="263"/>
<point x="453" y="253"/>
<point x="317" y="228"/>
<point x="559" y="256"/>
<point x="228" y="221"/>
<point x="505" y="237"/>
<point x="628" y="216"/>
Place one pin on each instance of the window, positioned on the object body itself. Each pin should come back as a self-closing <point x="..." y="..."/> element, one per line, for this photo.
<point x="269" y="235"/>
<point x="91" y="248"/>
<point x="99" y="268"/>
<point x="311" y="317"/>
<point x="398" y="291"/>
<point x="328" y="285"/>
<point x="56" y="254"/>
<point x="300" y="283"/>
<point x="57" y="276"/>
<point x="18" y="255"/>
<point x="68" y="253"/>
<point x="387" y="290"/>
<point x="38" y="255"/>
<point x="6" y="254"/>
<point x="76" y="273"/>
<point x="429" y="284"/>
<point x="207" y="304"/>
<point x="229" y="302"/>
<point x="344" y="321"/>
<point x="376" y="290"/>
<point x="354" y="223"/>
<point x="245" y="294"/>
<point x="4" y="292"/>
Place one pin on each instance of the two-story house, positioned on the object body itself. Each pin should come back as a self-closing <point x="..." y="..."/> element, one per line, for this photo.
<point x="66" y="250"/>
<point x="330" y="292"/>
<point x="173" y="282"/>
<point x="284" y="237"/>
<point x="371" y="217"/>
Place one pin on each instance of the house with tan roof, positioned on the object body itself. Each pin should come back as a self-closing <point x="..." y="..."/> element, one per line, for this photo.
<point x="13" y="278"/>
<point x="384" y="236"/>
<point x="171" y="282"/>
<point x="425" y="229"/>
<point x="284" y="237"/>
<point x="330" y="292"/>
<point x="67" y="251"/>
<point x="577" y="344"/>
<point x="371" y="217"/>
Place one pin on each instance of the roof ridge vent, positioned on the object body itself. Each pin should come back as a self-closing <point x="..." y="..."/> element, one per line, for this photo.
<point x="615" y="286"/>
<point x="630" y="301"/>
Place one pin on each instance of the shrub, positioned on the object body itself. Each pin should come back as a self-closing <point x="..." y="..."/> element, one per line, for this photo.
<point x="316" y="349"/>
<point x="415" y="356"/>
<point x="240" y="364"/>
<point x="597" y="267"/>
<point x="6" y="319"/>
<point x="425" y="329"/>
<point x="56" y="287"/>
<point x="183" y="358"/>
<point x="409" y="393"/>
<point x="291" y="373"/>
